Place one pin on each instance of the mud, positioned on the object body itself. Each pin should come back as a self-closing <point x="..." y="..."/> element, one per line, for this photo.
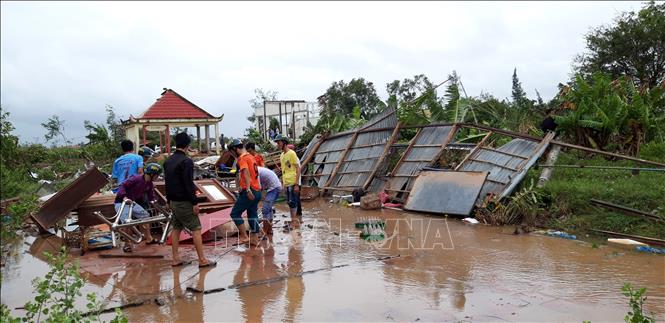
<point x="441" y="270"/>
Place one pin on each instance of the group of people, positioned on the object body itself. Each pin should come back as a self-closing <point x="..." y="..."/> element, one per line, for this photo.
<point x="134" y="188"/>
<point x="253" y="179"/>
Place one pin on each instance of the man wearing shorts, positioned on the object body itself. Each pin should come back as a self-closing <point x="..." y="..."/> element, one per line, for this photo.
<point x="181" y="194"/>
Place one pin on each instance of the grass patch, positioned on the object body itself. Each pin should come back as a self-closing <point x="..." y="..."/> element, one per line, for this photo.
<point x="569" y="191"/>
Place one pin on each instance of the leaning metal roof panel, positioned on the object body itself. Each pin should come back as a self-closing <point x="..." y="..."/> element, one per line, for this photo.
<point x="502" y="164"/>
<point x="418" y="157"/>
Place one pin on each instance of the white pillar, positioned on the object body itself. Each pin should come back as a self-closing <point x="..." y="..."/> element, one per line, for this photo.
<point x="217" y="137"/>
<point x="132" y="133"/>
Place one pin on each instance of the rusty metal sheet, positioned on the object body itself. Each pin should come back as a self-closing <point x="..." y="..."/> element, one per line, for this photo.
<point x="445" y="192"/>
<point x="67" y="199"/>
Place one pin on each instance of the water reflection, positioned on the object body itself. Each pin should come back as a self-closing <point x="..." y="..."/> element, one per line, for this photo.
<point x="295" y="287"/>
<point x="257" y="264"/>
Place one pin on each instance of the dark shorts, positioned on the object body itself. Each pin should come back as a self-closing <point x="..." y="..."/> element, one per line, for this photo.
<point x="183" y="216"/>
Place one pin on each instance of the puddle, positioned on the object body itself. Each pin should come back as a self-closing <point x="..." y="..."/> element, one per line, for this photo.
<point x="440" y="270"/>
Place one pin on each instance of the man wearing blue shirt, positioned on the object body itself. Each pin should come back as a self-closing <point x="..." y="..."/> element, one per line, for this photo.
<point x="126" y="165"/>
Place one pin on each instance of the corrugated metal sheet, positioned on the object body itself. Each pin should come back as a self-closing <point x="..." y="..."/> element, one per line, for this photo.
<point x="502" y="164"/>
<point x="446" y="192"/>
<point x="365" y="151"/>
<point x="418" y="157"/>
<point x="358" y="157"/>
<point x="326" y="158"/>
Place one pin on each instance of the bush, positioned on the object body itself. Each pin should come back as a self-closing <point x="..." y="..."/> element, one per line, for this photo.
<point x="636" y="300"/>
<point x="572" y="188"/>
<point x="57" y="293"/>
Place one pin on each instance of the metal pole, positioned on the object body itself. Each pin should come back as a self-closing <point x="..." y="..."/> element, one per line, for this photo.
<point x="606" y="167"/>
<point x="265" y="127"/>
<point x="281" y="128"/>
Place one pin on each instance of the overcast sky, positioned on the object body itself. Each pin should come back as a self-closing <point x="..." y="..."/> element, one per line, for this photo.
<point x="73" y="58"/>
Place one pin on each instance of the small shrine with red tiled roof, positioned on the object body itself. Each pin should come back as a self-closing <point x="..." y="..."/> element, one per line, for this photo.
<point x="172" y="109"/>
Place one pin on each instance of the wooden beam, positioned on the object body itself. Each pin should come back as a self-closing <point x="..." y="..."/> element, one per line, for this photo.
<point x="311" y="155"/>
<point x="406" y="152"/>
<point x="354" y="172"/>
<point x="493" y="163"/>
<point x="504" y="153"/>
<point x="331" y="151"/>
<point x="341" y="159"/>
<point x="600" y="152"/>
<point x="368" y="145"/>
<point x="474" y="151"/>
<point x="386" y="149"/>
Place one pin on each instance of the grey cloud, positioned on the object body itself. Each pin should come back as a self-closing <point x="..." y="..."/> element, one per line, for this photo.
<point x="72" y="59"/>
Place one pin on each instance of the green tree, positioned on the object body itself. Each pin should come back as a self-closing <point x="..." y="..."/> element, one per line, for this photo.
<point x="8" y="142"/>
<point x="416" y="99"/>
<point x="341" y="97"/>
<point x="96" y="133"/>
<point x="274" y="123"/>
<point x="604" y="113"/>
<point x="54" y="127"/>
<point x="518" y="94"/>
<point x="633" y="45"/>
<point x="115" y="129"/>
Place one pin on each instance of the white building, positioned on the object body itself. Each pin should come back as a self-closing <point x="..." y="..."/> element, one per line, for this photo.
<point x="292" y="116"/>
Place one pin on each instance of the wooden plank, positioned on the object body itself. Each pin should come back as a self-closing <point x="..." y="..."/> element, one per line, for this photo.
<point x="474" y="151"/>
<point x="417" y="160"/>
<point x="312" y="153"/>
<point x="368" y="145"/>
<point x="355" y="172"/>
<point x="59" y="205"/>
<point x="493" y="163"/>
<point x="341" y="160"/>
<point x="331" y="151"/>
<point x="323" y="163"/>
<point x="366" y="158"/>
<point x="503" y="152"/>
<point x="426" y="146"/>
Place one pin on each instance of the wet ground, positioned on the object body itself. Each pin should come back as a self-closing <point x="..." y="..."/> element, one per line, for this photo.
<point x="427" y="269"/>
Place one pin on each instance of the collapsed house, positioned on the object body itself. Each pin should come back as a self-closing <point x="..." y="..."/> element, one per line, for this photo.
<point x="371" y="158"/>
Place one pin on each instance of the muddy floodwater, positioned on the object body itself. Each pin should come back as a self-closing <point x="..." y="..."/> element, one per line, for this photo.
<point x="427" y="269"/>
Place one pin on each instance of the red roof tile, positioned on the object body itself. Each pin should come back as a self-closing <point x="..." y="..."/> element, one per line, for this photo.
<point x="172" y="105"/>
